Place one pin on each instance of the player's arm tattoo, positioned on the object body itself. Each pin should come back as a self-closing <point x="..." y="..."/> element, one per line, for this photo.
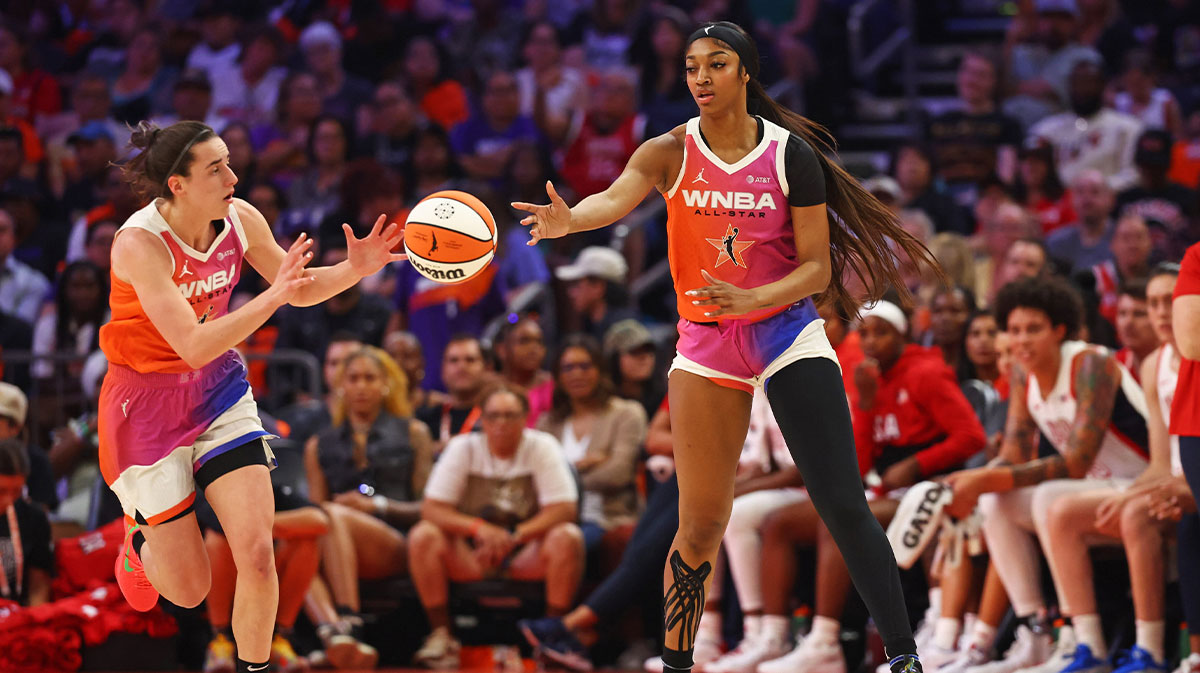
<point x="1097" y="380"/>
<point x="1020" y="431"/>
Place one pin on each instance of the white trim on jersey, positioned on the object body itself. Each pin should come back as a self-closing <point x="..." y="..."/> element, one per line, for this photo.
<point x="780" y="157"/>
<point x="693" y="128"/>
<point x="236" y="221"/>
<point x="682" y="169"/>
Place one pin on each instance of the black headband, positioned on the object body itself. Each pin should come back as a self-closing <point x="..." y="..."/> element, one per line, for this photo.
<point x="181" y="156"/>
<point x="740" y="43"/>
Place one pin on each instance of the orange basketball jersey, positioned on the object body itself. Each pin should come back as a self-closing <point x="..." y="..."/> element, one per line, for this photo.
<point x="205" y="279"/>
<point x="732" y="220"/>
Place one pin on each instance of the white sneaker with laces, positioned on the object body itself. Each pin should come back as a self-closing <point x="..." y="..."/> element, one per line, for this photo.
<point x="707" y="651"/>
<point x="1029" y="649"/>
<point x="811" y="655"/>
<point x="934" y="657"/>
<point x="746" y="657"/>
<point x="970" y="657"/>
<point x="1062" y="655"/>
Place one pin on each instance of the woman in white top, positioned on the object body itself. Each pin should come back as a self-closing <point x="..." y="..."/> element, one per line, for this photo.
<point x="1155" y="106"/>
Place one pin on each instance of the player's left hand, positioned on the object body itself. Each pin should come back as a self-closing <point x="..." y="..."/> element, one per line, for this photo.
<point x="355" y="500"/>
<point x="728" y="298"/>
<point x="369" y="254"/>
<point x="967" y="486"/>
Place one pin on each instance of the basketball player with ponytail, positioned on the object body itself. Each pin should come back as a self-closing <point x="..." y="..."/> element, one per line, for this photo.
<point x="176" y="411"/>
<point x="752" y="245"/>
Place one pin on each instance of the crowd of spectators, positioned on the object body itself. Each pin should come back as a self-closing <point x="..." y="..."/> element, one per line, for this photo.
<point x="514" y="425"/>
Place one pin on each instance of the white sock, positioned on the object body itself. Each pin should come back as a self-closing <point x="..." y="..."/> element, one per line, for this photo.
<point x="1150" y="638"/>
<point x="752" y="626"/>
<point x="935" y="600"/>
<point x="710" y="626"/>
<point x="1088" y="632"/>
<point x="945" y="632"/>
<point x="825" y="629"/>
<point x="982" y="635"/>
<point x="776" y="628"/>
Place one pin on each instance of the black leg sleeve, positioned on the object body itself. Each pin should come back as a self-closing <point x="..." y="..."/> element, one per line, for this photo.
<point x="809" y="402"/>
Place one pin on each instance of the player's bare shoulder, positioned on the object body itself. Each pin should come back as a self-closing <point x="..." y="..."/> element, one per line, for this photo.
<point x="136" y="250"/>
<point x="666" y="153"/>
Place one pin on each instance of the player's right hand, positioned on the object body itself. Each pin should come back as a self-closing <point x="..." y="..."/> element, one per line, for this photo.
<point x="292" y="277"/>
<point x="549" y="221"/>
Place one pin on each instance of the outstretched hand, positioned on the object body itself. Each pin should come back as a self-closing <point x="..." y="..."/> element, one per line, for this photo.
<point x="369" y="254"/>
<point x="549" y="221"/>
<point x="727" y="297"/>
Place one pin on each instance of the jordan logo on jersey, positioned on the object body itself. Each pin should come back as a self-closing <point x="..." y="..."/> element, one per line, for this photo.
<point x="186" y="271"/>
<point x="729" y="248"/>
<point x="700" y="177"/>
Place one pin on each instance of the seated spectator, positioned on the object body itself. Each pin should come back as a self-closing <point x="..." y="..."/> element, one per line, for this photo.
<point x="1007" y="224"/>
<point x="38" y="479"/>
<point x="309" y="328"/>
<point x="594" y="288"/>
<point x="1135" y="333"/>
<point x="118" y="202"/>
<point x="601" y="139"/>
<point x="218" y="47"/>
<point x="1021" y="489"/>
<point x="316" y="194"/>
<point x="1039" y="68"/>
<point x="463" y="371"/>
<point x="976" y="139"/>
<point x="1142" y="98"/>
<point x="521" y="265"/>
<point x="1090" y="135"/>
<point x="367" y="471"/>
<point x="281" y="142"/>
<point x="987" y="389"/>
<point x="1168" y="207"/>
<point x="29" y="149"/>
<point x="1026" y="258"/>
<point x="95" y="150"/>
<point x="391" y="133"/>
<point x="307" y="417"/>
<point x="298" y="526"/>
<point x="73" y="455"/>
<point x="341" y="93"/>
<point x="1101" y="284"/>
<point x="1085" y="243"/>
<point x="249" y="88"/>
<point x="550" y="91"/>
<point x="521" y="349"/>
<point x="631" y="355"/>
<point x="1039" y="189"/>
<point x="91" y="101"/>
<point x="443" y="100"/>
<point x="22" y="289"/>
<point x="949" y="311"/>
<point x="433" y="166"/>
<point x="601" y="435"/>
<point x="244" y="163"/>
<point x="498" y="503"/>
<point x="1185" y="155"/>
<point x="914" y="170"/>
<point x="406" y="350"/>
<point x="25" y="575"/>
<point x="142" y="89"/>
<point x="484" y="143"/>
<point x="191" y="100"/>
<point x="36" y="93"/>
<point x="72" y="327"/>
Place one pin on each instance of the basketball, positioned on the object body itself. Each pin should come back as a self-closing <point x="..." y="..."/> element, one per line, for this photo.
<point x="450" y="236"/>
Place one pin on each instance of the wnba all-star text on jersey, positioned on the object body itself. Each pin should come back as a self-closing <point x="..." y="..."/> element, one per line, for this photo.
<point x="740" y="204"/>
<point x="216" y="284"/>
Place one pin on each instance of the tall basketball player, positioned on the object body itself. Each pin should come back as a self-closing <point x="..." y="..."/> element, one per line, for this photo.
<point x="751" y="245"/>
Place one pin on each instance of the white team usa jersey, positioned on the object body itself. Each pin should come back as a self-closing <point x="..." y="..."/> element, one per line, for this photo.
<point x="1168" y="376"/>
<point x="1123" y="453"/>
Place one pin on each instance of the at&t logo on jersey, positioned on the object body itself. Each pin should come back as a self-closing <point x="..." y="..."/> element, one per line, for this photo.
<point x="740" y="204"/>
<point x="218" y="282"/>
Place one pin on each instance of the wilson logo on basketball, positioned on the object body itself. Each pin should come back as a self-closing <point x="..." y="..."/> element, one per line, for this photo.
<point x="436" y="274"/>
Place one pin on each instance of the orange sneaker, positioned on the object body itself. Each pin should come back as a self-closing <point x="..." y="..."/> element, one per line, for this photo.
<point x="131" y="577"/>
<point x="284" y="659"/>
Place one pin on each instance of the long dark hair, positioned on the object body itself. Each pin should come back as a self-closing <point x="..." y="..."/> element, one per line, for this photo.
<point x="164" y="152"/>
<point x="862" y="229"/>
<point x="560" y="407"/>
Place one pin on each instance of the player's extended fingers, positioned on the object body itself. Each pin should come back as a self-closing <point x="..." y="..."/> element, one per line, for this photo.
<point x="526" y="221"/>
<point x="378" y="224"/>
<point x="555" y="199"/>
<point x="393" y="229"/>
<point x="521" y="205"/>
